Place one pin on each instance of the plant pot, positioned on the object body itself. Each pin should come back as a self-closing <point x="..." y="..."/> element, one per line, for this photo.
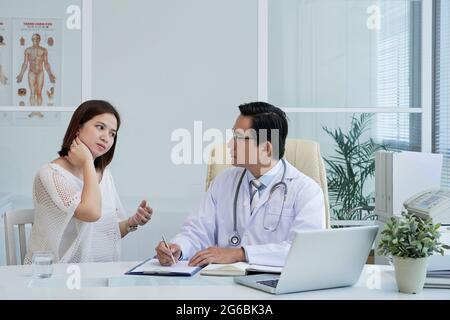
<point x="410" y="274"/>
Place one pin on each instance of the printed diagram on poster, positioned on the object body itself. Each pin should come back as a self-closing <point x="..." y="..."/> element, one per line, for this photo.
<point x="5" y="62"/>
<point x="37" y="62"/>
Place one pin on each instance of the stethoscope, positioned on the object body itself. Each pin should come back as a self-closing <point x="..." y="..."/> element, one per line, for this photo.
<point x="235" y="238"/>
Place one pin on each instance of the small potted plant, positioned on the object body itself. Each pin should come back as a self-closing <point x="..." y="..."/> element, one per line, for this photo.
<point x="409" y="240"/>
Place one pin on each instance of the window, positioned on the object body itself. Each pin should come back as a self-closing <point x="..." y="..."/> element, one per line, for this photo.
<point x="324" y="57"/>
<point x="398" y="80"/>
<point x="328" y="61"/>
<point x="441" y="109"/>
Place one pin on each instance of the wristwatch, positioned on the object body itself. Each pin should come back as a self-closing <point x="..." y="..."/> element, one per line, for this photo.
<point x="130" y="227"/>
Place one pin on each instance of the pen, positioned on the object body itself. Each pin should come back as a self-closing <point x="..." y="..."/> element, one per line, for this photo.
<point x="167" y="246"/>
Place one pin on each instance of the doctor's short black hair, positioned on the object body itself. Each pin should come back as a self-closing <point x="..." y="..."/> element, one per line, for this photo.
<point x="267" y="117"/>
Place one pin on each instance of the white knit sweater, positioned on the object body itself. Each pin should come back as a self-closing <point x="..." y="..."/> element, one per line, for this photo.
<point x="56" y="195"/>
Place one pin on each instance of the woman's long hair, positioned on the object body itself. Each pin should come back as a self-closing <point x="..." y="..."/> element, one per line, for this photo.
<point x="85" y="112"/>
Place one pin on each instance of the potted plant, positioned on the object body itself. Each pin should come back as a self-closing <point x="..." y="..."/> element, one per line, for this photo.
<point x="409" y="240"/>
<point x="349" y="169"/>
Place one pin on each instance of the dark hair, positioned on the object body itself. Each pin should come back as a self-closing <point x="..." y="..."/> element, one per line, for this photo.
<point x="85" y="112"/>
<point x="268" y="117"/>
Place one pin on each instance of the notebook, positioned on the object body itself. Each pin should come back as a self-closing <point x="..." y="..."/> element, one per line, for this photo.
<point x="439" y="265"/>
<point x="438" y="272"/>
<point x="237" y="269"/>
<point x="437" y="282"/>
<point x="153" y="267"/>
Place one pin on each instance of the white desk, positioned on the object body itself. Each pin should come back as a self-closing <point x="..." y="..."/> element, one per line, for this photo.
<point x="376" y="282"/>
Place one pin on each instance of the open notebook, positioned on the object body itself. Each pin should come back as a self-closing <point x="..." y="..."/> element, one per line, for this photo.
<point x="237" y="269"/>
<point x="152" y="267"/>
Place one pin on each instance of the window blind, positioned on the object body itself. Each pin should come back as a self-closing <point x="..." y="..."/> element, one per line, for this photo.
<point x="441" y="110"/>
<point x="397" y="54"/>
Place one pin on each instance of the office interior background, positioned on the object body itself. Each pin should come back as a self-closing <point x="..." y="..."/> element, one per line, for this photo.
<point x="168" y="63"/>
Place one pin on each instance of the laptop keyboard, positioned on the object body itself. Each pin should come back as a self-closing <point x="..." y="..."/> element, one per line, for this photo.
<point x="269" y="283"/>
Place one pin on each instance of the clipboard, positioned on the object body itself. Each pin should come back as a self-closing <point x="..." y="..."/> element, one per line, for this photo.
<point x="151" y="267"/>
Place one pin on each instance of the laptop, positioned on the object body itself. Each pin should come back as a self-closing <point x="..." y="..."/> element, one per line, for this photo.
<point x="319" y="259"/>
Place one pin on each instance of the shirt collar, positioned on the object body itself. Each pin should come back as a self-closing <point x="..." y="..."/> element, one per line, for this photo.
<point x="266" y="178"/>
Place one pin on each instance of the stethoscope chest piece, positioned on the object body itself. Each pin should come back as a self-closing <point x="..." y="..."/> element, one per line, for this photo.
<point x="235" y="239"/>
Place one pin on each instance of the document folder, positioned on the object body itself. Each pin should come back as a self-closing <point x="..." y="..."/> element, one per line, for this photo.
<point x="153" y="267"/>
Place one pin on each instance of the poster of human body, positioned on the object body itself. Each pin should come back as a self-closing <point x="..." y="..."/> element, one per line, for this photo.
<point x="37" y="62"/>
<point x="5" y="62"/>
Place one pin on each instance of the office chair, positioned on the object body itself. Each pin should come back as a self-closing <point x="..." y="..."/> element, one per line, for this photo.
<point x="302" y="154"/>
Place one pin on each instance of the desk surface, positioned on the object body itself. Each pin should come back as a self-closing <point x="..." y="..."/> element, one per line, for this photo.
<point x="107" y="281"/>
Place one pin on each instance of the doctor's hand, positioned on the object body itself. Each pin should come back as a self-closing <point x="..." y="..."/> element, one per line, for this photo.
<point x="217" y="255"/>
<point x="143" y="214"/>
<point x="163" y="254"/>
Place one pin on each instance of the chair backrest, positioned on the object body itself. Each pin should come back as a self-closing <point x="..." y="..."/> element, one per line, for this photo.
<point x="302" y="154"/>
<point x="19" y="218"/>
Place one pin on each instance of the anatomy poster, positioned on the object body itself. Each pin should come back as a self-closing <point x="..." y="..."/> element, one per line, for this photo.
<point x="5" y="62"/>
<point x="37" y="65"/>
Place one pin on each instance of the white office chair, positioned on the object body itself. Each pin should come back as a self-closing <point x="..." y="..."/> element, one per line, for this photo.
<point x="19" y="218"/>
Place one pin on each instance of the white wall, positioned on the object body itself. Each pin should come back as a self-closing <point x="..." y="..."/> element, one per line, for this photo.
<point x="164" y="64"/>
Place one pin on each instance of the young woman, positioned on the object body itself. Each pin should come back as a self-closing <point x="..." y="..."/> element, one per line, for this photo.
<point x="78" y="213"/>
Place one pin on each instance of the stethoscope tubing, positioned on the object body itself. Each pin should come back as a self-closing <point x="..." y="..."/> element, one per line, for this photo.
<point x="235" y="238"/>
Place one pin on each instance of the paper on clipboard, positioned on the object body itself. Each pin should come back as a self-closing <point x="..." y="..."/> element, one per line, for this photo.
<point x="153" y="267"/>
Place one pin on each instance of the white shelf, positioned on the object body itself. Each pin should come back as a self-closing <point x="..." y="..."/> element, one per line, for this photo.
<point x="38" y="109"/>
<point x="353" y="110"/>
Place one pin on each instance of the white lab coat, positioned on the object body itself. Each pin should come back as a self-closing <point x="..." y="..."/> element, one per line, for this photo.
<point x="212" y="224"/>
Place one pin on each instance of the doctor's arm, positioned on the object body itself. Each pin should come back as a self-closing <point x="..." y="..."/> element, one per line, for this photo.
<point x="198" y="231"/>
<point x="207" y="224"/>
<point x="309" y="209"/>
<point x="217" y="255"/>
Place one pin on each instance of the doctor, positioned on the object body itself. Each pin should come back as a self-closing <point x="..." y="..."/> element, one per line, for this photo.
<point x="251" y="211"/>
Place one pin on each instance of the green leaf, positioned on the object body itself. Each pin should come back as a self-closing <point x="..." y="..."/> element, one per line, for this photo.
<point x="410" y="236"/>
<point x="349" y="169"/>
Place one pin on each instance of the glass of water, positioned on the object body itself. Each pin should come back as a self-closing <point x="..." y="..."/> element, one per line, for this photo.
<point x="42" y="264"/>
